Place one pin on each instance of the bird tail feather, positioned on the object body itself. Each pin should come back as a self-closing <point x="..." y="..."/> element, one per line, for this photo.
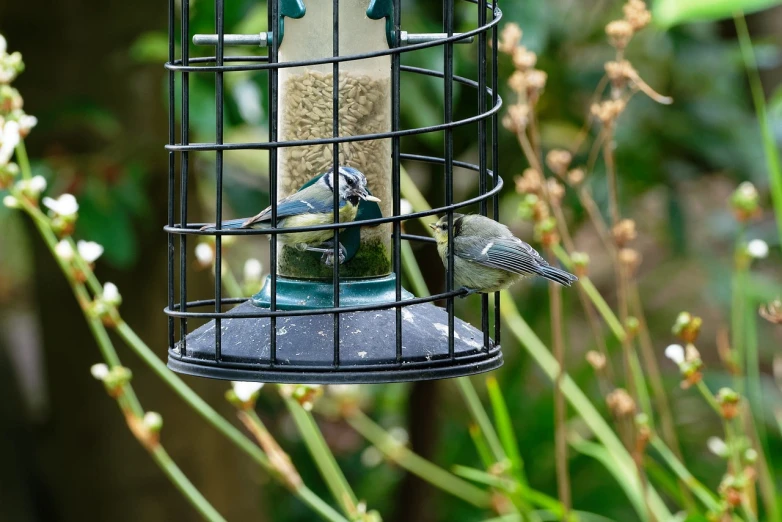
<point x="230" y="224"/>
<point x="557" y="275"/>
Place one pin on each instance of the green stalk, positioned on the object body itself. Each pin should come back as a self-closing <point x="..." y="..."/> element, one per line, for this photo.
<point x="109" y="354"/>
<point x="231" y="285"/>
<point x="23" y="160"/>
<point x="609" y="316"/>
<point x="480" y="416"/>
<point x="505" y="430"/>
<point x="413" y="271"/>
<point x="324" y="458"/>
<point x="184" y="485"/>
<point x="699" y="490"/>
<point x="641" y="388"/>
<point x="194" y="400"/>
<point x="773" y="163"/>
<point x="710" y="399"/>
<point x="581" y="404"/>
<point x="415" y="464"/>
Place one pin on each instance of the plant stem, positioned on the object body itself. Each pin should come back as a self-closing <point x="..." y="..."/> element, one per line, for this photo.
<point x="415" y="464"/>
<point x="560" y="409"/>
<point x="481" y="417"/>
<point x="23" y="160"/>
<point x="184" y="485"/>
<point x="232" y="286"/>
<point x="699" y="490"/>
<point x="194" y="400"/>
<point x="580" y="404"/>
<point x="413" y="271"/>
<point x="324" y="458"/>
<point x="773" y="163"/>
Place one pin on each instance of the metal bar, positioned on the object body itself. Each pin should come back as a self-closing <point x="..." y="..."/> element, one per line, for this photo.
<point x="495" y="154"/>
<point x="335" y="152"/>
<point x="220" y="27"/>
<point x="482" y="181"/>
<point x="262" y="39"/>
<point x="395" y="178"/>
<point x="448" y="116"/>
<point x="184" y="166"/>
<point x="171" y="163"/>
<point x="274" y="7"/>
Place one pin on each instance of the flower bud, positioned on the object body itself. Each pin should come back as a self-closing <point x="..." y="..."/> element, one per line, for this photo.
<point x="580" y="263"/>
<point x="243" y="394"/>
<point x="772" y="312"/>
<point x="596" y="360"/>
<point x="99" y="371"/>
<point x="745" y="202"/>
<point x="632" y="326"/>
<point x="620" y="403"/>
<point x="558" y="160"/>
<point x="687" y="327"/>
<point x="153" y="421"/>
<point x="619" y="33"/>
<point x="546" y="232"/>
<point x="729" y="402"/>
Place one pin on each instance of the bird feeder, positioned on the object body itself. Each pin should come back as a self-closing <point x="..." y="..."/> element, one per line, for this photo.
<point x="336" y="85"/>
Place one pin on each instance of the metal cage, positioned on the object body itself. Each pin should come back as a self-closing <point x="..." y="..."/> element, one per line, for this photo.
<point x="386" y="334"/>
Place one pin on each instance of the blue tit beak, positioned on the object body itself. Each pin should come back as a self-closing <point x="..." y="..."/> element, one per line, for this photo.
<point x="366" y="196"/>
<point x="433" y="226"/>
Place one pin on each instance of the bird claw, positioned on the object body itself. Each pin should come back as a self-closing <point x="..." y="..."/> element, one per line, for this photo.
<point x="328" y="256"/>
<point x="470" y="291"/>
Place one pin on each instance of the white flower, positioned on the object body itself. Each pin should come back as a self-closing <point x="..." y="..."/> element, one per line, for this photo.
<point x="100" y="371"/>
<point x="90" y="251"/>
<point x="66" y="205"/>
<point x="252" y="270"/>
<point x="747" y="190"/>
<point x="247" y="96"/>
<point x="245" y="391"/>
<point x="405" y="207"/>
<point x="64" y="250"/>
<point x="757" y="248"/>
<point x="717" y="446"/>
<point x="111" y="293"/>
<point x="675" y="352"/>
<point x="204" y="254"/>
<point x="10" y="201"/>
<point x="344" y="391"/>
<point x="3" y="44"/>
<point x="9" y="139"/>
<point x="26" y="123"/>
<point x="38" y="184"/>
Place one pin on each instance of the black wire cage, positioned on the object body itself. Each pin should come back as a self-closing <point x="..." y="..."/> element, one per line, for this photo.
<point x="336" y="85"/>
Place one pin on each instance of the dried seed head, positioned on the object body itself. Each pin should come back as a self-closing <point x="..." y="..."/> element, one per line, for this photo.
<point x="530" y="182"/>
<point x="619" y="72"/>
<point x="518" y="83"/>
<point x="536" y="82"/>
<point x="556" y="191"/>
<point x="596" y="360"/>
<point x="624" y="232"/>
<point x="630" y="260"/>
<point x="608" y="111"/>
<point x="524" y="59"/>
<point x="510" y="36"/>
<point x="619" y="33"/>
<point x="576" y="176"/>
<point x="558" y="160"/>
<point x="517" y="118"/>
<point x="620" y="403"/>
<point x="636" y="14"/>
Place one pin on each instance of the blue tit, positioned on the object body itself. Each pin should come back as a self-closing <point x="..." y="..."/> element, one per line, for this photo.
<point x="488" y="257"/>
<point x="310" y="206"/>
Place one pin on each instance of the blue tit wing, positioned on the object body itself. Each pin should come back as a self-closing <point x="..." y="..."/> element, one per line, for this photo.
<point x="509" y="254"/>
<point x="306" y="201"/>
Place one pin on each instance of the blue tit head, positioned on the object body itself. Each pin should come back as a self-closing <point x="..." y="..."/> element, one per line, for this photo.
<point x="440" y="229"/>
<point x="352" y="185"/>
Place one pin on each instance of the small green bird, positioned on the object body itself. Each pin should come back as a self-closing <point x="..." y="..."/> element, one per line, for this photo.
<point x="488" y="257"/>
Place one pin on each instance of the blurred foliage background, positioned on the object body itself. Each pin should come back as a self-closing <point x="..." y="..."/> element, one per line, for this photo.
<point x="96" y="83"/>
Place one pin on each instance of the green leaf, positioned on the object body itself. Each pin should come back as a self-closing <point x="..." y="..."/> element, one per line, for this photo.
<point x="668" y="13"/>
<point x="505" y="429"/>
<point x="151" y="47"/>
